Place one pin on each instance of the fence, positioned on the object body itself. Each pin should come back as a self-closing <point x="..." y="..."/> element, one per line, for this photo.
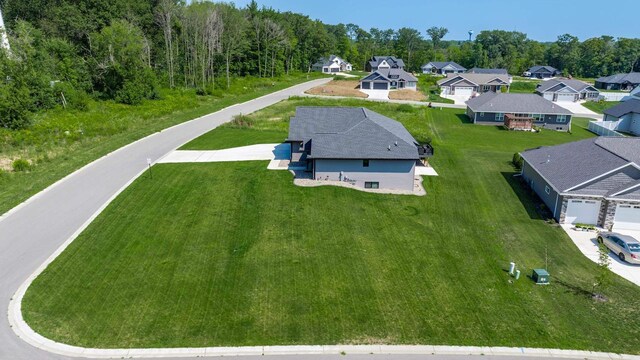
<point x="614" y="96"/>
<point x="604" y="128"/>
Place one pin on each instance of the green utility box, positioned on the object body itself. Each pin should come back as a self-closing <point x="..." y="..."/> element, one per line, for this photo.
<point x="540" y="276"/>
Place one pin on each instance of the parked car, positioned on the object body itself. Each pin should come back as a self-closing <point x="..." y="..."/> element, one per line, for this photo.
<point x="626" y="247"/>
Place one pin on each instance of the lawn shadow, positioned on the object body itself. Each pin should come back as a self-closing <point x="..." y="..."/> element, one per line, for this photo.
<point x="577" y="290"/>
<point x="529" y="200"/>
<point x="464" y="119"/>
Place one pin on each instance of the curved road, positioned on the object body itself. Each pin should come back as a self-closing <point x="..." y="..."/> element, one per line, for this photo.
<point x="33" y="231"/>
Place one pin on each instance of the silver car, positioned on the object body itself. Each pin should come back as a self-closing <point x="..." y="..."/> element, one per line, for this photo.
<point x="626" y="247"/>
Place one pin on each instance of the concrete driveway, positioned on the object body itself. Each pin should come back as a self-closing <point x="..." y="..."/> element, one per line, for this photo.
<point x="575" y="107"/>
<point x="588" y="244"/>
<point x="242" y="153"/>
<point x="377" y="94"/>
<point x="457" y="99"/>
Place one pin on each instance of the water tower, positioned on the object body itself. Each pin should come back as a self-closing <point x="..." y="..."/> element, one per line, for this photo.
<point x="470" y="34"/>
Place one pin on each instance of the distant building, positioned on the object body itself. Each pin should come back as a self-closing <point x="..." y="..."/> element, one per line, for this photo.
<point x="384" y="62"/>
<point x="619" y="82"/>
<point x="4" y="40"/>
<point x="332" y="64"/>
<point x="442" y="68"/>
<point x="541" y="72"/>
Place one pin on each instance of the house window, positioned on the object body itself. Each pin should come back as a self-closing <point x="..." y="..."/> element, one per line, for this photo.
<point x="499" y="116"/>
<point x="561" y="118"/>
<point x="486" y="87"/>
<point x="481" y="114"/>
<point x="365" y="163"/>
<point x="547" y="189"/>
<point x="371" y="185"/>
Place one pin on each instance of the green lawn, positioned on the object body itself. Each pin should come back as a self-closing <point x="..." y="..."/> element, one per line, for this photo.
<point x="599" y="106"/>
<point x="523" y="86"/>
<point x="234" y="254"/>
<point x="61" y="141"/>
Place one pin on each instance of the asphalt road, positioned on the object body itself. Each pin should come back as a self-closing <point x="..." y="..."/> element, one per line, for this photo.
<point x="32" y="232"/>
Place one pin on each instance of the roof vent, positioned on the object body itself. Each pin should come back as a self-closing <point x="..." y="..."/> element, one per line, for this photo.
<point x="548" y="159"/>
<point x="389" y="147"/>
<point x="396" y="143"/>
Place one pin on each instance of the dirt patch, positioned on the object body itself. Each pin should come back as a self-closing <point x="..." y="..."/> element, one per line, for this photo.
<point x="407" y="95"/>
<point x="339" y="88"/>
<point x="5" y="164"/>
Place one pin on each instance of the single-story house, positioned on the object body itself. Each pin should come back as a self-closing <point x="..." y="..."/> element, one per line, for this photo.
<point x="594" y="181"/>
<point x="384" y="62"/>
<point x="355" y="145"/>
<point x="442" y="68"/>
<point x="389" y="79"/>
<point x="477" y="70"/>
<point x="626" y="117"/>
<point x="542" y="72"/>
<point x="472" y="84"/>
<point x="491" y="108"/>
<point x="567" y="90"/>
<point x="332" y="64"/>
<point x="619" y="82"/>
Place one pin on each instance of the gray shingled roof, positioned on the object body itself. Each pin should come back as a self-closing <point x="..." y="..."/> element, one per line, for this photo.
<point x="479" y="79"/>
<point x="569" y="165"/>
<point x="552" y="85"/>
<point x="515" y="103"/>
<point x="440" y="64"/>
<point x="324" y="61"/>
<point x="351" y="133"/>
<point x="388" y="73"/>
<point x="476" y="70"/>
<point x="633" y="78"/>
<point x="390" y="59"/>
<point x="537" y="68"/>
<point x="629" y="106"/>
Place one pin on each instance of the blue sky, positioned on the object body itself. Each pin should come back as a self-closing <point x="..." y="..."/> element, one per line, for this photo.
<point x="582" y="18"/>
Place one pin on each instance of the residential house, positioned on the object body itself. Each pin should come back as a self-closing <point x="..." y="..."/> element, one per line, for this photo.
<point x="542" y="72"/>
<point x="442" y="68"/>
<point x="476" y="70"/>
<point x="567" y="90"/>
<point x="389" y="79"/>
<point x="384" y="62"/>
<point x="473" y="84"/>
<point x="594" y="181"/>
<point x="355" y="145"/>
<point x="332" y="64"/>
<point x="624" y="117"/>
<point x="625" y="82"/>
<point x="492" y="109"/>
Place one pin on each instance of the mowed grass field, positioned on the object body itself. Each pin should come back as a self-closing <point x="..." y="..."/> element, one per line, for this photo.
<point x="226" y="254"/>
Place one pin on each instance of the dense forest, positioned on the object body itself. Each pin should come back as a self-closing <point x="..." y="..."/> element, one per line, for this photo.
<point x="64" y="52"/>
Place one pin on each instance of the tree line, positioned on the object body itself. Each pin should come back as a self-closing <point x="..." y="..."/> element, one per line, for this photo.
<point x="64" y="52"/>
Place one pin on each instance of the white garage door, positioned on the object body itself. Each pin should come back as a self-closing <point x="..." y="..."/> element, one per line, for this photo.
<point x="464" y="91"/>
<point x="566" y="97"/>
<point x="582" y="212"/>
<point x="627" y="217"/>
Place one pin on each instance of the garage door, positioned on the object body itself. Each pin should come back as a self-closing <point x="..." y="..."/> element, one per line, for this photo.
<point x="464" y="91"/>
<point x="380" y="86"/>
<point x="365" y="85"/>
<point x="566" y="97"/>
<point x="627" y="217"/>
<point x="582" y="212"/>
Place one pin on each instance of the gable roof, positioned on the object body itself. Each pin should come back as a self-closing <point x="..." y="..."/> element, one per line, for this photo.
<point x="554" y="85"/>
<point x="569" y="165"/>
<point x="479" y="79"/>
<point x="515" y="103"/>
<point x="324" y="61"/>
<point x="441" y="64"/>
<point x="391" y="60"/>
<point x="351" y="133"/>
<point x="623" y="108"/>
<point x="633" y="78"/>
<point x="391" y="75"/>
<point x="543" y="68"/>
<point x="476" y="70"/>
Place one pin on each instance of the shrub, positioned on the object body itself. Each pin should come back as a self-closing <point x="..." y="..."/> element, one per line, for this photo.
<point x="76" y="99"/>
<point x="242" y="121"/>
<point x="517" y="161"/>
<point x="201" y="92"/>
<point x="405" y="108"/>
<point x="20" y="165"/>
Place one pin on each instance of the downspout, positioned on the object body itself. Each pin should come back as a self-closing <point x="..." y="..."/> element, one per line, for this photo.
<point x="555" y="207"/>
